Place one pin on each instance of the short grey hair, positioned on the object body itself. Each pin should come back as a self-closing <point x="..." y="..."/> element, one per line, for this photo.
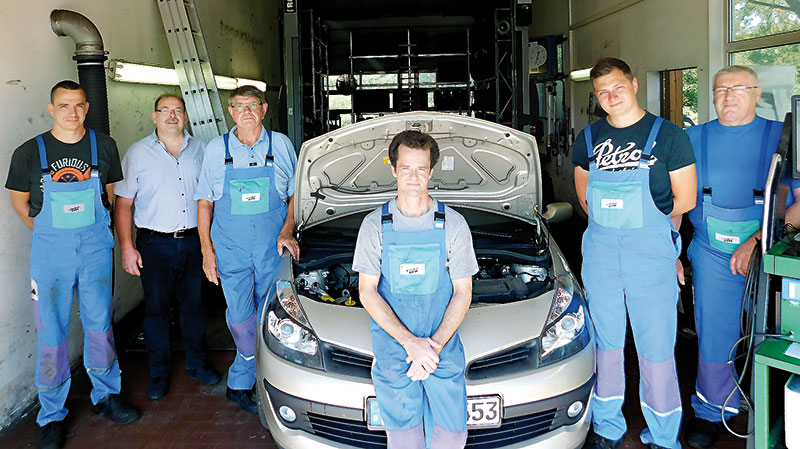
<point x="247" y="91"/>
<point x="735" y="69"/>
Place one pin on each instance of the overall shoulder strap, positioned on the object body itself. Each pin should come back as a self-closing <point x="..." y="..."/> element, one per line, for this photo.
<point x="386" y="218"/>
<point x="644" y="162"/>
<point x="228" y="159"/>
<point x="93" y="145"/>
<point x="438" y="216"/>
<point x="703" y="175"/>
<point x="758" y="190"/>
<point x="269" y="159"/>
<point x="587" y="135"/>
<point x="42" y="154"/>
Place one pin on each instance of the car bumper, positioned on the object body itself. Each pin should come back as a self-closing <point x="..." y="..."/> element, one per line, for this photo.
<point x="330" y="408"/>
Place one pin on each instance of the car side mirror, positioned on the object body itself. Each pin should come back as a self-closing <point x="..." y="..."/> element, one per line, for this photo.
<point x="557" y="212"/>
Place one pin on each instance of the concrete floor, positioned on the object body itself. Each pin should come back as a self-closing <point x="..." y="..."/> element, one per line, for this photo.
<point x="200" y="417"/>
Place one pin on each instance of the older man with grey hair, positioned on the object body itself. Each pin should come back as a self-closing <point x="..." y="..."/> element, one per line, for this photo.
<point x="733" y="155"/>
<point x="246" y="186"/>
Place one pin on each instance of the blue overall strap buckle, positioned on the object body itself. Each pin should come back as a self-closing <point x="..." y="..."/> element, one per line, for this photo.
<point x="386" y="217"/>
<point x="270" y="158"/>
<point x="228" y="159"/>
<point x="438" y="216"/>
<point x="644" y="161"/>
<point x="93" y="144"/>
<point x="42" y="155"/>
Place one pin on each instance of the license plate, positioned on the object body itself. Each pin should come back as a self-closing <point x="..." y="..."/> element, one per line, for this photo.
<point x="482" y="412"/>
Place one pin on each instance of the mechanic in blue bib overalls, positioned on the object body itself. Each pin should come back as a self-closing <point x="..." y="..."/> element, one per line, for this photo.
<point x="415" y="262"/>
<point x="641" y="171"/>
<point x="71" y="255"/>
<point x="733" y="154"/>
<point x="247" y="186"/>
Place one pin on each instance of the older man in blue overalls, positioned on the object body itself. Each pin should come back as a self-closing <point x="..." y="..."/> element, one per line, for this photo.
<point x="633" y="171"/>
<point x="247" y="186"/>
<point x="415" y="262"/>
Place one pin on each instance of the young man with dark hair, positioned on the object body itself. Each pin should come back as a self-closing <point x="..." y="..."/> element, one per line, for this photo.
<point x="415" y="262"/>
<point x="633" y="171"/>
<point x="60" y="183"/>
<point x="157" y="195"/>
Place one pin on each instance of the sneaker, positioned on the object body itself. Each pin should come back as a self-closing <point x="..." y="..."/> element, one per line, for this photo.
<point x="51" y="436"/>
<point x="596" y="441"/>
<point x="116" y="409"/>
<point x="244" y="398"/>
<point x="157" y="387"/>
<point x="205" y="374"/>
<point x="701" y="433"/>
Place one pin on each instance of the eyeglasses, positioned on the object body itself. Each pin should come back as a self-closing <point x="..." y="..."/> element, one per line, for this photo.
<point x="253" y="107"/>
<point x="168" y="111"/>
<point x="736" y="90"/>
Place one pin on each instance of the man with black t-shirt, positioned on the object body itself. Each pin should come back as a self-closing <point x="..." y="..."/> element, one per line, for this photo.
<point x="60" y="184"/>
<point x="633" y="171"/>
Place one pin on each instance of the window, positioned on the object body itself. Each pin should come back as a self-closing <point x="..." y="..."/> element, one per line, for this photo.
<point x="751" y="18"/>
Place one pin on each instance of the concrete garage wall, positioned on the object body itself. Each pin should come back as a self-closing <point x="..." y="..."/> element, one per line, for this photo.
<point x="243" y="40"/>
<point x="651" y="35"/>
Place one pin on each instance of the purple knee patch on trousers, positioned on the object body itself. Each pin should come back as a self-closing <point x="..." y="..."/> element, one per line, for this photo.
<point x="659" y="383"/>
<point x="53" y="365"/>
<point x="37" y="317"/>
<point x="244" y="335"/>
<point x="443" y="438"/>
<point x="610" y="373"/>
<point x="102" y="351"/>
<point x="413" y="438"/>
<point x="714" y="381"/>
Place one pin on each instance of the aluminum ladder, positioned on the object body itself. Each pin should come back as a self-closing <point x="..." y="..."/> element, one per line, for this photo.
<point x="196" y="79"/>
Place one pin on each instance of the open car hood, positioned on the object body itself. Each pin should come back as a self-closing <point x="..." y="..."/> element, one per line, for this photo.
<point x="481" y="164"/>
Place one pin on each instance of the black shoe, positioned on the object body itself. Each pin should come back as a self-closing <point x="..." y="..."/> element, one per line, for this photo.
<point x="157" y="387"/>
<point x="701" y="433"/>
<point x="596" y="441"/>
<point x="244" y="398"/>
<point x="116" y="409"/>
<point x="51" y="436"/>
<point x="205" y="374"/>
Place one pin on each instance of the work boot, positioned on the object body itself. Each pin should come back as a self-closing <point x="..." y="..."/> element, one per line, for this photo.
<point x="702" y="433"/>
<point x="51" y="436"/>
<point x="157" y="387"/>
<point x="116" y="409"/>
<point x="596" y="441"/>
<point x="244" y="398"/>
<point x="205" y="374"/>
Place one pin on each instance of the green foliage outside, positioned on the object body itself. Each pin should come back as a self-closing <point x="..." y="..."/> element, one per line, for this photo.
<point x="690" y="94"/>
<point x="763" y="18"/>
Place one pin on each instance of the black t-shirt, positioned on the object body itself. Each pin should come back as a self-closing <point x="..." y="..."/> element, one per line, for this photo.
<point x="619" y="149"/>
<point x="69" y="162"/>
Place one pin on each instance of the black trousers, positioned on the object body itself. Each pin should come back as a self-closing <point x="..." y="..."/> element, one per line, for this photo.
<point x="172" y="272"/>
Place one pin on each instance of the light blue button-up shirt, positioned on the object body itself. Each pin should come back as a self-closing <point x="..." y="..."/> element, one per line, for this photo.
<point x="212" y="177"/>
<point x="161" y="186"/>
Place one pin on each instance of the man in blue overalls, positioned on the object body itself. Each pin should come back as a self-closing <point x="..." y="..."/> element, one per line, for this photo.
<point x="415" y="262"/>
<point x="633" y="171"/>
<point x="733" y="154"/>
<point x="57" y="188"/>
<point x="246" y="186"/>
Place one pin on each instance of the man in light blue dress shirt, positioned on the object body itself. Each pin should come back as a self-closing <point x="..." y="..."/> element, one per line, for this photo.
<point x="157" y="194"/>
<point x="245" y="218"/>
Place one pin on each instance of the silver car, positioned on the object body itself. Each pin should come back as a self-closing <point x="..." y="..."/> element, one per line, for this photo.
<point x="527" y="336"/>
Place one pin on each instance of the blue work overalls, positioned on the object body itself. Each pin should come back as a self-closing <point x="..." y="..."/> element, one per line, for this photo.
<point x="247" y="221"/>
<point x="416" y="284"/>
<point x="717" y="292"/>
<point x="629" y="253"/>
<point x="71" y="251"/>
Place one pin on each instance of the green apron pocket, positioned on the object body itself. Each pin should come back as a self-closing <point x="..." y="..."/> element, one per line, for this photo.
<point x="249" y="196"/>
<point x="726" y="236"/>
<point x="414" y="269"/>
<point x="617" y="204"/>
<point x="72" y="209"/>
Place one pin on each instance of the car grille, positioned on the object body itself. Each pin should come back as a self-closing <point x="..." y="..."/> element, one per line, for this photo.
<point x="513" y="360"/>
<point x="513" y="430"/>
<point x="344" y="361"/>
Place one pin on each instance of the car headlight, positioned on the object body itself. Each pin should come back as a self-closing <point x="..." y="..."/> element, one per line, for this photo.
<point x="287" y="331"/>
<point x="566" y="332"/>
